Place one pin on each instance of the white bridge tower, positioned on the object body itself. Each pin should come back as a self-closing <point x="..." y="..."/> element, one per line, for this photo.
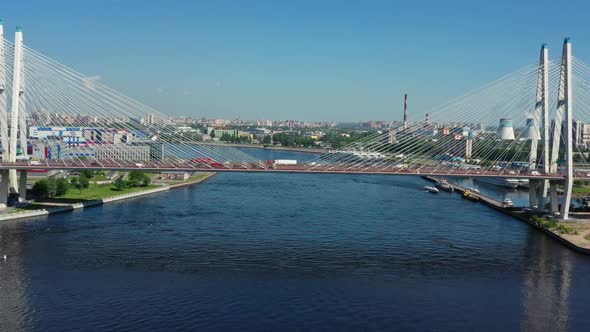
<point x="9" y="139"/>
<point x="538" y="189"/>
<point x="563" y="118"/>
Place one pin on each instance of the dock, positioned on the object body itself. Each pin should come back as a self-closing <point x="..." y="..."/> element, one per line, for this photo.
<point x="482" y="198"/>
<point x="522" y="215"/>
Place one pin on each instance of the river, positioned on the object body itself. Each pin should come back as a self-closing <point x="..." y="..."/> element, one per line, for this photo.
<point x="289" y="252"/>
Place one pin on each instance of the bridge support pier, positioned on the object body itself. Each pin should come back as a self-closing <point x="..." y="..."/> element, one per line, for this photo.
<point x="567" y="198"/>
<point x="22" y="184"/>
<point x="554" y="205"/>
<point x="538" y="190"/>
<point x="543" y="193"/>
<point x="4" y="185"/>
<point x="13" y="180"/>
<point x="533" y="187"/>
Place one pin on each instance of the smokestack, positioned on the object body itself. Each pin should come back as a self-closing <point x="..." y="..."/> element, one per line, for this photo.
<point x="427" y="122"/>
<point x="405" y="110"/>
<point x="506" y="131"/>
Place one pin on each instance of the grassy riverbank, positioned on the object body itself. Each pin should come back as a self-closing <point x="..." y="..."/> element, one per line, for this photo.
<point x="100" y="191"/>
<point x="99" y="194"/>
<point x="554" y="225"/>
<point x="581" y="190"/>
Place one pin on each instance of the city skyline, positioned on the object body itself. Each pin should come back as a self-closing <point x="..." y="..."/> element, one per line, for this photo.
<point x="228" y="60"/>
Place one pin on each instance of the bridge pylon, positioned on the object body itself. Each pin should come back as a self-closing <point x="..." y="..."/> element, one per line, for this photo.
<point x="3" y="118"/>
<point x="563" y="117"/>
<point x="538" y="189"/>
<point x="9" y="138"/>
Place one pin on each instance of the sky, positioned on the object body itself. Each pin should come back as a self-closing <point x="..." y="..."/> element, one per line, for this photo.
<point x="310" y="60"/>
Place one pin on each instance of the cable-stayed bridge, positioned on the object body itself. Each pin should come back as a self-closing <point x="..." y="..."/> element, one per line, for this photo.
<point x="520" y="126"/>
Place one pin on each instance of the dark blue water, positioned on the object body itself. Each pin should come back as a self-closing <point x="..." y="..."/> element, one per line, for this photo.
<point x="290" y="252"/>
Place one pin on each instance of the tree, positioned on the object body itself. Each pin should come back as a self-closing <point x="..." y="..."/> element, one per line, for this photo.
<point x="41" y="189"/>
<point x="147" y="180"/>
<point x="51" y="187"/>
<point x="87" y="173"/>
<point x="212" y="134"/>
<point x="266" y="140"/>
<point x="120" y="184"/>
<point x="75" y="183"/>
<point x="62" y="187"/>
<point x="84" y="182"/>
<point x="226" y="137"/>
<point x="136" y="178"/>
<point x="80" y="182"/>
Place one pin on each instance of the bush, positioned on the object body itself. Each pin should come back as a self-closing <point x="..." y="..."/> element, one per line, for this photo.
<point x="120" y="184"/>
<point x="553" y="225"/>
<point x="62" y="187"/>
<point x="84" y="181"/>
<point x="51" y="187"/>
<point x="147" y="180"/>
<point x="138" y="179"/>
<point x="41" y="189"/>
<point x="87" y="174"/>
<point x="81" y="182"/>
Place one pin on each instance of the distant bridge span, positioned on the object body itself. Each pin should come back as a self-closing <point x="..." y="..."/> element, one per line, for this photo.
<point x="110" y="165"/>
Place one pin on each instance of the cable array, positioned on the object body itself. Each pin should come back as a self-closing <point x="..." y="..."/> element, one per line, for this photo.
<point x="58" y="96"/>
<point x="457" y="137"/>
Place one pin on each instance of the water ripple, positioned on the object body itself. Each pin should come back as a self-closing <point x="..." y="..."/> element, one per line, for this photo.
<point x="289" y="251"/>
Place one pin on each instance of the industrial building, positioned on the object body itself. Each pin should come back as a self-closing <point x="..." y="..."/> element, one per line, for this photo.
<point x="122" y="152"/>
<point x="174" y="175"/>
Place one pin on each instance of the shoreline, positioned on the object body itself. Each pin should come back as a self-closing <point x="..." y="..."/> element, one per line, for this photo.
<point x="97" y="202"/>
<point x="498" y="206"/>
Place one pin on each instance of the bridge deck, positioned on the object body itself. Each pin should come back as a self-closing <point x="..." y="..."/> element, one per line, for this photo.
<point x="302" y="168"/>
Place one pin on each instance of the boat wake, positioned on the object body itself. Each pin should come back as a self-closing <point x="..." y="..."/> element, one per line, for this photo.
<point x="445" y="242"/>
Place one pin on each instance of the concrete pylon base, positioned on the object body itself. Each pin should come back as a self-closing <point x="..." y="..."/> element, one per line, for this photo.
<point x="4" y="186"/>
<point x="554" y="205"/>
<point x="543" y="193"/>
<point x="22" y="184"/>
<point x="13" y="180"/>
<point x="533" y="187"/>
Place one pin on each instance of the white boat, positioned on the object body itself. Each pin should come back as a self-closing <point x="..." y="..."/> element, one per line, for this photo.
<point x="475" y="190"/>
<point x="431" y="189"/>
<point x="444" y="185"/>
<point x="507" y="202"/>
<point x="500" y="182"/>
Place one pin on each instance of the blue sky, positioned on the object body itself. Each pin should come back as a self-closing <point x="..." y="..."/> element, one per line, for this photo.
<point x="310" y="60"/>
